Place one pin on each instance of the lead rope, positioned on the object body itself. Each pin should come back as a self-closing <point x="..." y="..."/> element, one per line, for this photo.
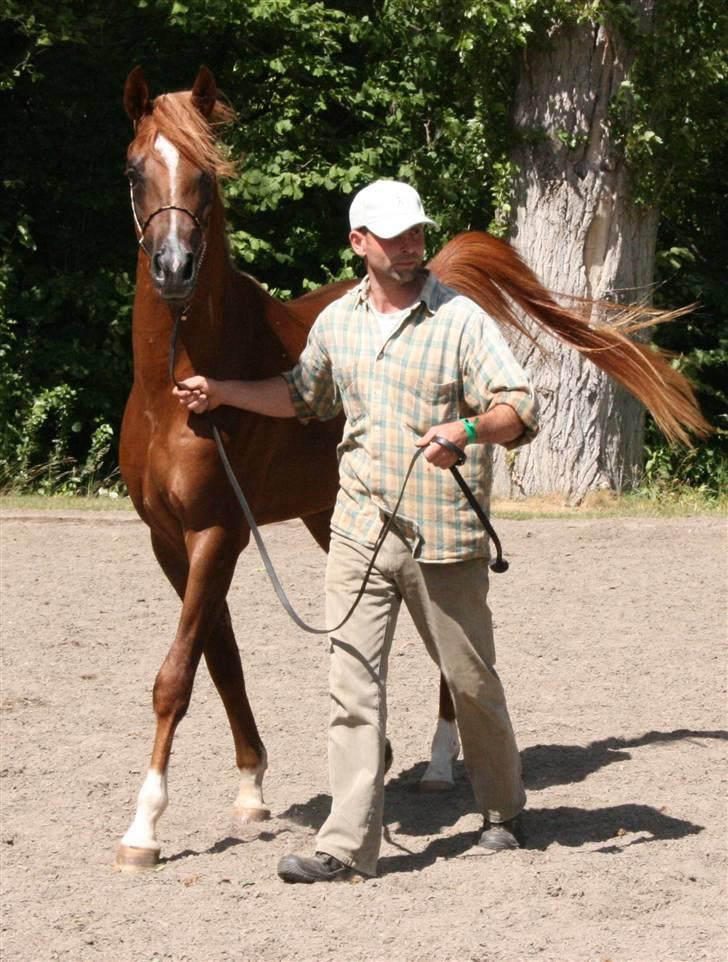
<point x="499" y="565"/>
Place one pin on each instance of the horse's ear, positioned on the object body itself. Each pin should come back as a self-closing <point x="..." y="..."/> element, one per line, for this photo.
<point x="204" y="91"/>
<point x="136" y="95"/>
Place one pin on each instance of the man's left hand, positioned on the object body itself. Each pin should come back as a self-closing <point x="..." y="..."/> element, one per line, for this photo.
<point x="436" y="454"/>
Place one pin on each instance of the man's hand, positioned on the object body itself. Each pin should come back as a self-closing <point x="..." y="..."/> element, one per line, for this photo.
<point x="438" y="455"/>
<point x="198" y="394"/>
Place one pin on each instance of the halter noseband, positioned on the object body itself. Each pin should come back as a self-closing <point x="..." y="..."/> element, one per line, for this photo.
<point x="142" y="228"/>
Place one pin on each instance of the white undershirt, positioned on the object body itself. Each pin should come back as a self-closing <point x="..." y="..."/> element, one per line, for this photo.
<point x="388" y="323"/>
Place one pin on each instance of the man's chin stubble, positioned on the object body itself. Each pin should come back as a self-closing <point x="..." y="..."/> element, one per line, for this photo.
<point x="405" y="275"/>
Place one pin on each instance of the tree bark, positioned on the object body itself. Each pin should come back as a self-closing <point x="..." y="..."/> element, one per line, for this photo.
<point x="576" y="227"/>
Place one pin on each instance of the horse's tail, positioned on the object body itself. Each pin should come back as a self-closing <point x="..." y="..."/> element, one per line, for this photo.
<point x="490" y="272"/>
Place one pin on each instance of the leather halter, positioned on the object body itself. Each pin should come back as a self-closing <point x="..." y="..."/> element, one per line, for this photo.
<point x="142" y="228"/>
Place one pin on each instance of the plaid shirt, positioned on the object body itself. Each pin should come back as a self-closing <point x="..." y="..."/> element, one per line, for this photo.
<point x="446" y="360"/>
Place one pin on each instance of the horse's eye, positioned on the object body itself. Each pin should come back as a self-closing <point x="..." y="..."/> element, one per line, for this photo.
<point x="132" y="175"/>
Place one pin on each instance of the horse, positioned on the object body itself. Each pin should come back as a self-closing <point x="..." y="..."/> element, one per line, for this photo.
<point x="232" y="328"/>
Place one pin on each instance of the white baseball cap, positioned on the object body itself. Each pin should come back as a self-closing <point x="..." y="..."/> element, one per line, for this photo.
<point x="386" y="208"/>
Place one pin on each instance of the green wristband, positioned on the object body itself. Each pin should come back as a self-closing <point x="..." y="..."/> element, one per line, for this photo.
<point x="469" y="425"/>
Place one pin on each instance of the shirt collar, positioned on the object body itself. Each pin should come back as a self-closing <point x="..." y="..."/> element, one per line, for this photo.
<point x="427" y="296"/>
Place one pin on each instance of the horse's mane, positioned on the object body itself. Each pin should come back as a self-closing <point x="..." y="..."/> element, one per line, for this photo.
<point x="176" y="117"/>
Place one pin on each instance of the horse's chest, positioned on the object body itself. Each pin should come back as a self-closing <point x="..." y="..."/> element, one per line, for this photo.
<point x="178" y="465"/>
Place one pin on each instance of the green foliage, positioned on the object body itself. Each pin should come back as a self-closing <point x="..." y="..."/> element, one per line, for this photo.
<point x="672" y="104"/>
<point x="330" y="95"/>
<point x="676" y="141"/>
<point x="669" y="471"/>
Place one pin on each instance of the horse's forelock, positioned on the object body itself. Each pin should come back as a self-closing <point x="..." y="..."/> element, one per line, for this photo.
<point x="176" y="118"/>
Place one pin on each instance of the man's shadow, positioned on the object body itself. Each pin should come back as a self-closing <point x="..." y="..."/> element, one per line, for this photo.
<point x="421" y="814"/>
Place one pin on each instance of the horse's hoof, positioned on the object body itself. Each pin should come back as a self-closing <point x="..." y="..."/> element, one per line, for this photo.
<point x="436" y="785"/>
<point x="242" y="816"/>
<point x="130" y="859"/>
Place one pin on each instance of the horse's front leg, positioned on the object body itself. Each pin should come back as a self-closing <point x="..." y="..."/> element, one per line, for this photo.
<point x="438" y="776"/>
<point x="211" y="558"/>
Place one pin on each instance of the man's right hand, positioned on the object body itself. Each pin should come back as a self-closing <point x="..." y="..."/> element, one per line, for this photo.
<point x="198" y="394"/>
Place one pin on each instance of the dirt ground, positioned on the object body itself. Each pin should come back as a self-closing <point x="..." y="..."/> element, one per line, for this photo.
<point x="611" y="639"/>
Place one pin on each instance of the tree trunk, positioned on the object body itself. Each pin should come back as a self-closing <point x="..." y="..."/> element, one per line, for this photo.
<point x="575" y="226"/>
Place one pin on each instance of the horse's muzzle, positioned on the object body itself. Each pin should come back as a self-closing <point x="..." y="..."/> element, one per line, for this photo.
<point x="174" y="271"/>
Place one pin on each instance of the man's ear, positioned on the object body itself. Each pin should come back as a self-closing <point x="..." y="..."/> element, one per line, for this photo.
<point x="357" y="239"/>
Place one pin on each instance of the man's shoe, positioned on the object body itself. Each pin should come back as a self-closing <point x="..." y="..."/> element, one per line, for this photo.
<point x="320" y="868"/>
<point x="501" y="836"/>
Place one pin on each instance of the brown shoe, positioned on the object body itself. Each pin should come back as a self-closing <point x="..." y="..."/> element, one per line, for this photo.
<point x="319" y="868"/>
<point x="502" y="836"/>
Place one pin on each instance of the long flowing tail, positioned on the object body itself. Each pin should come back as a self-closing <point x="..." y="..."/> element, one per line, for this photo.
<point x="491" y="272"/>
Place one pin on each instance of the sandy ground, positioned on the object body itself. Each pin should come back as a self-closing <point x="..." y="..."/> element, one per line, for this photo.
<point x="611" y="638"/>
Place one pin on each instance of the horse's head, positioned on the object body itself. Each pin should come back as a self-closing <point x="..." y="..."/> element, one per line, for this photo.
<point x="172" y="166"/>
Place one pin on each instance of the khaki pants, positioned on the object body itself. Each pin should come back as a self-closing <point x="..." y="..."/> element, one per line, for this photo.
<point x="448" y="605"/>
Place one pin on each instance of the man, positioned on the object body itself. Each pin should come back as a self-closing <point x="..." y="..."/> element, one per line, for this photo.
<point x="408" y="360"/>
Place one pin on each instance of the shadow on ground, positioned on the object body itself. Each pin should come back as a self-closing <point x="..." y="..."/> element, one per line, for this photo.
<point x="547" y="765"/>
<point x="615" y="825"/>
<point x="411" y="813"/>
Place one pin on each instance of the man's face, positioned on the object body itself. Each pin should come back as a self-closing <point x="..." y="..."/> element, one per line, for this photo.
<point x="397" y="258"/>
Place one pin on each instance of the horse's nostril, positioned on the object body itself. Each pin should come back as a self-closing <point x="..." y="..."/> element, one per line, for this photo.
<point x="173" y="270"/>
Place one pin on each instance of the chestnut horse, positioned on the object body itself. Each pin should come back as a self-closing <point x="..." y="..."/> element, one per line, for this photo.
<point x="233" y="329"/>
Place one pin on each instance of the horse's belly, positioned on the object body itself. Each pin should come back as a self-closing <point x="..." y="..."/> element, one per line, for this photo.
<point x="298" y="476"/>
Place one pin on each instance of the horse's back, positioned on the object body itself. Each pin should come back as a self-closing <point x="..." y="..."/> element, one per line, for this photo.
<point x="292" y="321"/>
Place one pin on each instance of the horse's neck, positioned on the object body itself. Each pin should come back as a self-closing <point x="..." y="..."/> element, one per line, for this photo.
<point x="224" y="333"/>
<point x="234" y="328"/>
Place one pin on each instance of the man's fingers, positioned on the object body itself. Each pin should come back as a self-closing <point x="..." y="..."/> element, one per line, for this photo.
<point x="193" y="401"/>
<point x="438" y="456"/>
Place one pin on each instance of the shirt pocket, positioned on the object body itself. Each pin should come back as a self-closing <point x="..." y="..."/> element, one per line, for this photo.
<point x="349" y="392"/>
<point x="427" y="403"/>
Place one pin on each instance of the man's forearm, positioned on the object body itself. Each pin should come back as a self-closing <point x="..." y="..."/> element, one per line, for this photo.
<point x="270" y="396"/>
<point x="499" y="426"/>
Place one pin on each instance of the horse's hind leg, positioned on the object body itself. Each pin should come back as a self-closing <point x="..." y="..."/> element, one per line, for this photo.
<point x="438" y="776"/>
<point x="320" y="527"/>
<point x="226" y="670"/>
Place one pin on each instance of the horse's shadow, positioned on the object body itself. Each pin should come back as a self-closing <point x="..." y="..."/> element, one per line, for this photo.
<point x="618" y="826"/>
<point x="547" y="765"/>
<point x="230" y="841"/>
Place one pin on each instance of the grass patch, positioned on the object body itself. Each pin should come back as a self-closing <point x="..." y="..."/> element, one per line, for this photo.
<point x="686" y="503"/>
<point x="63" y="502"/>
<point x="600" y="504"/>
